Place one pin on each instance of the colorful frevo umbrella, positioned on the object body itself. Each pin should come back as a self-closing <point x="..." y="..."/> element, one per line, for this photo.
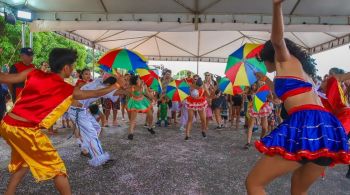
<point x="226" y="87"/>
<point x="150" y="78"/>
<point x="122" y="59"/>
<point x="243" y="64"/>
<point x="260" y="97"/>
<point x="177" y="90"/>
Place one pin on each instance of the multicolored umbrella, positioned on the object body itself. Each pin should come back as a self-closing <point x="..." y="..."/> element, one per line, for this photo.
<point x="150" y="78"/>
<point x="178" y="90"/>
<point x="122" y="59"/>
<point x="226" y="87"/>
<point x="242" y="65"/>
<point x="260" y="97"/>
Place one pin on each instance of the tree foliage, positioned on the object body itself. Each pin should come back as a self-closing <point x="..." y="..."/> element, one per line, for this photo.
<point x="43" y="42"/>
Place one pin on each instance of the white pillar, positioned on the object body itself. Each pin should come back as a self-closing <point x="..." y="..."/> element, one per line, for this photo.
<point x="31" y="40"/>
<point x="23" y="35"/>
<point x="93" y="62"/>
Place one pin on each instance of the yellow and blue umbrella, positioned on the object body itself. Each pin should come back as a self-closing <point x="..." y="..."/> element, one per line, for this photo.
<point x="243" y="64"/>
<point x="178" y="90"/>
<point x="260" y="97"/>
<point x="227" y="87"/>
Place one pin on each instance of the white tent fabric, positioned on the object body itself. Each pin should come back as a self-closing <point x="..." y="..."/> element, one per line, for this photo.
<point x="189" y="30"/>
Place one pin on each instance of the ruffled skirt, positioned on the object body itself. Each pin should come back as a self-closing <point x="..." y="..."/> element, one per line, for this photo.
<point x="141" y="105"/>
<point x="265" y="111"/>
<point x="196" y="104"/>
<point x="310" y="134"/>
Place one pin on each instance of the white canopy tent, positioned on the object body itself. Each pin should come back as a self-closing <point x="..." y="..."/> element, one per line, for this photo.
<point x="189" y="30"/>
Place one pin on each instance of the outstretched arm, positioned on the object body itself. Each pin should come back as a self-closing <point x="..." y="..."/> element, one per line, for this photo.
<point x="86" y="94"/>
<point x="343" y="77"/>
<point x="277" y="38"/>
<point x="14" y="78"/>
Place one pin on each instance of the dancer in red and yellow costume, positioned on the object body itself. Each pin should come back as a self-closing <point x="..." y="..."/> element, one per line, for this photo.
<point x="333" y="98"/>
<point x="45" y="97"/>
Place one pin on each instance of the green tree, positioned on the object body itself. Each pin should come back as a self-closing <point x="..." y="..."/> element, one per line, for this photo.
<point x="10" y="39"/>
<point x="43" y="43"/>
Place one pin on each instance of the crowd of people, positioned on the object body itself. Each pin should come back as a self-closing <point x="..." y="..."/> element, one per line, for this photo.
<point x="304" y="122"/>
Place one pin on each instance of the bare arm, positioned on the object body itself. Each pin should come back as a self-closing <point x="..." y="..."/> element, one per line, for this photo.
<point x="14" y="78"/>
<point x="86" y="94"/>
<point x="277" y="38"/>
<point x="343" y="77"/>
<point x="121" y="92"/>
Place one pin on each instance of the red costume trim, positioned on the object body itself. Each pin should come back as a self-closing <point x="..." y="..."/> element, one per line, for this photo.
<point x="306" y="107"/>
<point x="295" y="92"/>
<point x="292" y="77"/>
<point x="140" y="111"/>
<point x="337" y="157"/>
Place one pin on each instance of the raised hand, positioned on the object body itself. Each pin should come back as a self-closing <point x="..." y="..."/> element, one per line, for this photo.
<point x="259" y="75"/>
<point x="120" y="82"/>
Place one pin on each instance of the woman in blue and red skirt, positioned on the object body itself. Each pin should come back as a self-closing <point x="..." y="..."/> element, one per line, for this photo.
<point x="311" y="138"/>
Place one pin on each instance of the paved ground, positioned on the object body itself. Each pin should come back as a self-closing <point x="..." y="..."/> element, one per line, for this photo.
<point x="165" y="164"/>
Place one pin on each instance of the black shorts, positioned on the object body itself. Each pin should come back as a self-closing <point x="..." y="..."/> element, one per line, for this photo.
<point x="217" y="102"/>
<point x="237" y="100"/>
<point x="322" y="161"/>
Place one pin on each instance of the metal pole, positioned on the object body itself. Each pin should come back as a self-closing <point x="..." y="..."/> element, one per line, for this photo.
<point x="23" y="35"/>
<point x="93" y="62"/>
<point x="31" y="40"/>
<point x="198" y="46"/>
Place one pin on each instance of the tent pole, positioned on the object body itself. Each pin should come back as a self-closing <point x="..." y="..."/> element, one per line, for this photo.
<point x="23" y="35"/>
<point x="198" y="46"/>
<point x="93" y="62"/>
<point x="31" y="40"/>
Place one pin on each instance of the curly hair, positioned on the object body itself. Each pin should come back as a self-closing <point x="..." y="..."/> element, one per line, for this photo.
<point x="308" y="63"/>
<point x="133" y="79"/>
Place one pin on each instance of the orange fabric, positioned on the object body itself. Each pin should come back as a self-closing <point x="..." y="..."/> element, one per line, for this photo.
<point x="45" y="97"/>
<point x="31" y="148"/>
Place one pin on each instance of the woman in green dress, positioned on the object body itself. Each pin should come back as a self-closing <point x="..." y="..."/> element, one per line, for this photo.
<point x="138" y="103"/>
